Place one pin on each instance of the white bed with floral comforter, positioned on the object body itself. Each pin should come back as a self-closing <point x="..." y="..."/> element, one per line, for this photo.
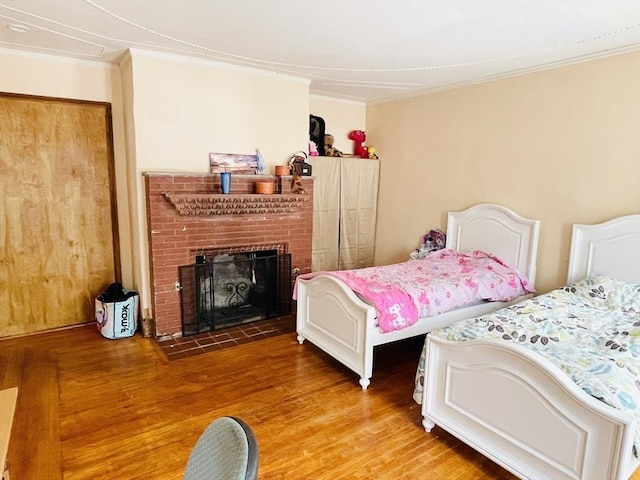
<point x="590" y="330"/>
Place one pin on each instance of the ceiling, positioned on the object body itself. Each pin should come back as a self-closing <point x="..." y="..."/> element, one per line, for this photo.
<point x="357" y="50"/>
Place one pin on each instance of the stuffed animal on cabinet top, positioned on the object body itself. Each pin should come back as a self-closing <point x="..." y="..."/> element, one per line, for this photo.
<point x="329" y="150"/>
<point x="358" y="137"/>
<point x="313" y="149"/>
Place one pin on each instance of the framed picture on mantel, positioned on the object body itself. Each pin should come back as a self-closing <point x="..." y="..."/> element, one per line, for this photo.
<point x="233" y="162"/>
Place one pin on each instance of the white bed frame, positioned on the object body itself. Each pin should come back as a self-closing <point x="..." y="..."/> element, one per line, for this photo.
<point x="557" y="430"/>
<point x="332" y="317"/>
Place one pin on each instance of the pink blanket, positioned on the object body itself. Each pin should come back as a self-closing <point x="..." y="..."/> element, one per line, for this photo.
<point x="441" y="281"/>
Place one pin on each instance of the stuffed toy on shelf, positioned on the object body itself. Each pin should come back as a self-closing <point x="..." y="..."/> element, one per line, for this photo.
<point x="329" y="149"/>
<point x="313" y="149"/>
<point x="358" y="137"/>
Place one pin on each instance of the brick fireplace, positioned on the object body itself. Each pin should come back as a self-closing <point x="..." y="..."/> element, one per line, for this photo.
<point x="187" y="215"/>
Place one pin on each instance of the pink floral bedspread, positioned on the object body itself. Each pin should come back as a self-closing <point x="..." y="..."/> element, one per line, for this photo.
<point x="443" y="280"/>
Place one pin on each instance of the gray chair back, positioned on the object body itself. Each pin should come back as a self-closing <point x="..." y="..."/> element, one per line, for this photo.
<point x="226" y="450"/>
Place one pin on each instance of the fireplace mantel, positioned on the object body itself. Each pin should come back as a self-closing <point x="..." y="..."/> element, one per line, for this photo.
<point x="212" y="204"/>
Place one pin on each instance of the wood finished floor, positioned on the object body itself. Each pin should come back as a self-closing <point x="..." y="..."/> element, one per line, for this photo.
<point x="91" y="408"/>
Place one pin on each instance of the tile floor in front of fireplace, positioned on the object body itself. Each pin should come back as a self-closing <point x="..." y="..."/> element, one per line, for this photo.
<point x="189" y="346"/>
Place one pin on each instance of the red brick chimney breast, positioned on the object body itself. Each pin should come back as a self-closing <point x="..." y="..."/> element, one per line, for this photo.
<point x="187" y="214"/>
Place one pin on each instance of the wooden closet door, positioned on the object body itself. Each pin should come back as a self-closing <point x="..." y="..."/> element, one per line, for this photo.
<point x="57" y="221"/>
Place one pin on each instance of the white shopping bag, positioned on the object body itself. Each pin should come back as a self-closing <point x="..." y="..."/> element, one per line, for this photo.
<point x="117" y="319"/>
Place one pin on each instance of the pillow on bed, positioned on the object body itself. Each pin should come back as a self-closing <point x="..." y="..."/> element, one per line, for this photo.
<point x="607" y="292"/>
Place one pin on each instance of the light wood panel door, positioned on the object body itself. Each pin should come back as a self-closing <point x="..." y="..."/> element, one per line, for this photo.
<point x="57" y="212"/>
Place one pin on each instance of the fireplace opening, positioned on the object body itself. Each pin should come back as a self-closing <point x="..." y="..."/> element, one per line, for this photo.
<point x="227" y="289"/>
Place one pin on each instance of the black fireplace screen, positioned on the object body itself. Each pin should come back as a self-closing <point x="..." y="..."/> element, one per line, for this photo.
<point x="233" y="289"/>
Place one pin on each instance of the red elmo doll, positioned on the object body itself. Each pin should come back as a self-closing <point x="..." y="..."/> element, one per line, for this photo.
<point x="358" y="137"/>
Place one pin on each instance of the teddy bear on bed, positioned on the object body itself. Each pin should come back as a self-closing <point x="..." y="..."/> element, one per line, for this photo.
<point x="329" y="149"/>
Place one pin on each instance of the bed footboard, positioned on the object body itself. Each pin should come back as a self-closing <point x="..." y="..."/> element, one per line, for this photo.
<point x="341" y="324"/>
<point x="524" y="413"/>
<point x="334" y="319"/>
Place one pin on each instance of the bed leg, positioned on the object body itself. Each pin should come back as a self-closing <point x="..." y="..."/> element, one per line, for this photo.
<point x="300" y="338"/>
<point x="427" y="424"/>
<point x="364" y="382"/>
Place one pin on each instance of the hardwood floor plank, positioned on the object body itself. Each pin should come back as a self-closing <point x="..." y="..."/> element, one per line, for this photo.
<point x="37" y="419"/>
<point x="91" y="408"/>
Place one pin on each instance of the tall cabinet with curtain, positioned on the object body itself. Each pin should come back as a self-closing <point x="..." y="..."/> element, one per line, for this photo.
<point x="345" y="202"/>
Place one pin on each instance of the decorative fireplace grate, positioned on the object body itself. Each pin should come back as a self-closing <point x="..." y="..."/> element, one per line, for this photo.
<point x="233" y="289"/>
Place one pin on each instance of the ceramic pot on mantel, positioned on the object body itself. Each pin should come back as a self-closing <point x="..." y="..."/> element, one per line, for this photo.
<point x="282" y="171"/>
<point x="264" y="188"/>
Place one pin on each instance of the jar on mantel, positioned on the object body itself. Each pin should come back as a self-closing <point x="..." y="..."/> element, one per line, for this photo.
<point x="264" y="188"/>
<point x="282" y="171"/>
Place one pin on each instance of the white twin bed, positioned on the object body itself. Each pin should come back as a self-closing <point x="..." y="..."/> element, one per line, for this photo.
<point x="338" y="321"/>
<point x="521" y="410"/>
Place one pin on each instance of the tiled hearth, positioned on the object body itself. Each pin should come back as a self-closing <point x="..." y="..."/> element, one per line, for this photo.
<point x="186" y="215"/>
<point x="177" y="348"/>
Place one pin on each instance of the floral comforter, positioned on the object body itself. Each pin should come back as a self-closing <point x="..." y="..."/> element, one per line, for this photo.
<point x="443" y="280"/>
<point x="590" y="329"/>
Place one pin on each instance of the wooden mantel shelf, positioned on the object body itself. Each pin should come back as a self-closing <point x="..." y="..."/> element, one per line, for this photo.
<point x="214" y="204"/>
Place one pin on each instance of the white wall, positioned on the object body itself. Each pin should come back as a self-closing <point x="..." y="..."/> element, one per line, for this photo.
<point x="49" y="76"/>
<point x="185" y="109"/>
<point x="561" y="146"/>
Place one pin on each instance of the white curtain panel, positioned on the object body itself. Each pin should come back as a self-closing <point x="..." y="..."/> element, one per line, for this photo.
<point x="345" y="201"/>
<point x="358" y="207"/>
<point x="326" y="213"/>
